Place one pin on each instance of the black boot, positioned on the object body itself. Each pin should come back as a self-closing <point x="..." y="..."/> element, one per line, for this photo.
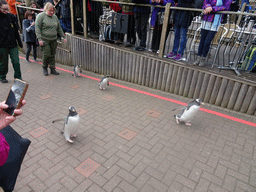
<point x="54" y="72"/>
<point x="45" y="71"/>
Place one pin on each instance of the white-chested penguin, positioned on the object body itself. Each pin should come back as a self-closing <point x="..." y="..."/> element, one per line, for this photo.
<point x="71" y="124"/>
<point x="77" y="70"/>
<point x="104" y="82"/>
<point x="188" y="112"/>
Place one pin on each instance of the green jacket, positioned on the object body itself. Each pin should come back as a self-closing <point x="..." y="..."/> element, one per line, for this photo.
<point x="48" y="27"/>
<point x="127" y="8"/>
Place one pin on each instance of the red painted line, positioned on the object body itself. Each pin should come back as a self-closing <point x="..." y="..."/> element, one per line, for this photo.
<point x="164" y="98"/>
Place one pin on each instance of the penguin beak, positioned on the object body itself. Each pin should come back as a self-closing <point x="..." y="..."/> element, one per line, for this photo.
<point x="202" y="104"/>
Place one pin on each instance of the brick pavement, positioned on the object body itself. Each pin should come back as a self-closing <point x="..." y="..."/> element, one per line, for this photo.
<point x="127" y="141"/>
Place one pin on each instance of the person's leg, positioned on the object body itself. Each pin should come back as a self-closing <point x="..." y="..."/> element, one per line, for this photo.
<point x="46" y="50"/>
<point x="28" y="50"/>
<point x="34" y="51"/>
<point x="176" y="43"/>
<point x="144" y="24"/>
<point x="68" y="24"/>
<point x="3" y="63"/>
<point x="158" y="37"/>
<point x="183" y="40"/>
<point x="53" y="45"/>
<point x="137" y="24"/>
<point x="202" y="40"/>
<point x="132" y="30"/>
<point x="14" y="55"/>
<point x="201" y="46"/>
<point x="207" y="42"/>
<point x="63" y="24"/>
<point x="154" y="37"/>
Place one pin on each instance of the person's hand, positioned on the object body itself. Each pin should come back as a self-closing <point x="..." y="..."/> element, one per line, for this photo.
<point x="8" y="119"/>
<point x="33" y="23"/>
<point x="207" y="10"/>
<point x="41" y="43"/>
<point x="65" y="40"/>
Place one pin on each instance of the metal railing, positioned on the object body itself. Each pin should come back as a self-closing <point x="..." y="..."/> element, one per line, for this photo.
<point x="227" y="50"/>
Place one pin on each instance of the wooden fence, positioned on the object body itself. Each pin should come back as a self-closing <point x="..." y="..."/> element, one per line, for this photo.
<point x="157" y="73"/>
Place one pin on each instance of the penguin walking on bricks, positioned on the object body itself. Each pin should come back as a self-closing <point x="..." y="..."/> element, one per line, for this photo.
<point x="77" y="71"/>
<point x="104" y="82"/>
<point x="189" y="112"/>
<point x="71" y="124"/>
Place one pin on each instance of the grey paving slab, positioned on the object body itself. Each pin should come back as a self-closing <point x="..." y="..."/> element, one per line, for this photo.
<point x="215" y="154"/>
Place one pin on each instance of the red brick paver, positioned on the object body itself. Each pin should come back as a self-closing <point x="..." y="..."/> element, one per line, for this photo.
<point x="87" y="167"/>
<point x="38" y="132"/>
<point x="127" y="134"/>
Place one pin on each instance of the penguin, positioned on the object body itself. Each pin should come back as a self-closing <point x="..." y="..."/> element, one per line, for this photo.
<point x="189" y="112"/>
<point x="104" y="82"/>
<point x="71" y="124"/>
<point x="77" y="71"/>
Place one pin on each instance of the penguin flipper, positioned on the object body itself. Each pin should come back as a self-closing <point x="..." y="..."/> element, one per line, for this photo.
<point x="62" y="119"/>
<point x="182" y="107"/>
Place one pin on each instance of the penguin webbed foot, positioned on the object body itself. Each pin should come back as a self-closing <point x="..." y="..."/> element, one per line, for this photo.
<point x="188" y="124"/>
<point x="70" y="141"/>
<point x="73" y="136"/>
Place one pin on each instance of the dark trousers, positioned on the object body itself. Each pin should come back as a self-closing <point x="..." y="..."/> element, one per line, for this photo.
<point x="4" y="59"/>
<point x="65" y="24"/>
<point x="49" y="50"/>
<point x="141" y="22"/>
<point x="131" y="34"/>
<point x="205" y="42"/>
<point x="157" y="33"/>
<point x="29" y="47"/>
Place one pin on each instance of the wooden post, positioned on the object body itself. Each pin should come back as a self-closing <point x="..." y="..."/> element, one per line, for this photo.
<point x="164" y="30"/>
<point x="85" y="18"/>
<point x="18" y="16"/>
<point x="72" y="17"/>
